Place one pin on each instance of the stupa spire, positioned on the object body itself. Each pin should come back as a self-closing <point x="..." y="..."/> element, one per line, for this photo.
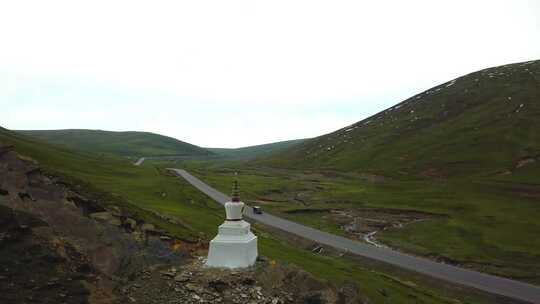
<point x="235" y="192"/>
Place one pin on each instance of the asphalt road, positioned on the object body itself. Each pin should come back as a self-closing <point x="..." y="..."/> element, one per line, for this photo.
<point x="489" y="283"/>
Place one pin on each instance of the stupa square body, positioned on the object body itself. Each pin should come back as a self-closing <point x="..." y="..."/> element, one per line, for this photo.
<point x="235" y="246"/>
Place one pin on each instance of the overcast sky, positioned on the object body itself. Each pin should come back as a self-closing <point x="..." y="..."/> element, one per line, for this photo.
<point x="236" y="73"/>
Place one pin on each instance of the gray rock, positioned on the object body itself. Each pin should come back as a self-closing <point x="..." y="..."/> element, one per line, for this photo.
<point x="101" y="216"/>
<point x="181" y="278"/>
<point x="147" y="227"/>
<point x="115" y="222"/>
<point x="166" y="273"/>
<point x="131" y="223"/>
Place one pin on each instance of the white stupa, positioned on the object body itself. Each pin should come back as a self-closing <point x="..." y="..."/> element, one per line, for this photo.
<point x="235" y="246"/>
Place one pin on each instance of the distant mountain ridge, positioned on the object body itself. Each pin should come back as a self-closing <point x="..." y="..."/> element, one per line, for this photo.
<point x="252" y="152"/>
<point x="485" y="122"/>
<point x="130" y="143"/>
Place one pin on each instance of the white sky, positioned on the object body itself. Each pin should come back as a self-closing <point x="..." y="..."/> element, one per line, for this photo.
<point x="236" y="73"/>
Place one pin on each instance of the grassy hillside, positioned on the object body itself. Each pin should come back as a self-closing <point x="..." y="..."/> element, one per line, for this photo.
<point x="251" y="152"/>
<point x="485" y="123"/>
<point x="461" y="161"/>
<point x="133" y="144"/>
<point x="142" y="189"/>
<point x="113" y="180"/>
<point x="484" y="224"/>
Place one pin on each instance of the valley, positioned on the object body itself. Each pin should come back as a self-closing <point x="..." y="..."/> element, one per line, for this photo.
<point x="270" y="152"/>
<point x="453" y="222"/>
<point x="181" y="213"/>
<point x="492" y="284"/>
<point x="450" y="175"/>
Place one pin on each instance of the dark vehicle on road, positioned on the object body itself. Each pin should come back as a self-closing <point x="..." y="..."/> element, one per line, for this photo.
<point x="257" y="210"/>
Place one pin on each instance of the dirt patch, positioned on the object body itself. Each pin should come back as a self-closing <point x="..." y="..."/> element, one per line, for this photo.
<point x="364" y="223"/>
<point x="525" y="161"/>
<point x="433" y="173"/>
<point x="367" y="220"/>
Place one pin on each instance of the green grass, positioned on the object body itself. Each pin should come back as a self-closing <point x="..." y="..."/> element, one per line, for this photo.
<point x="482" y="124"/>
<point x="139" y="190"/>
<point x="132" y="144"/>
<point x="116" y="181"/>
<point x="252" y="152"/>
<point x="479" y="224"/>
<point x="377" y="286"/>
<point x="453" y="150"/>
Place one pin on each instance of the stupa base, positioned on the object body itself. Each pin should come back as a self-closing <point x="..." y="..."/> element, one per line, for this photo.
<point x="235" y="246"/>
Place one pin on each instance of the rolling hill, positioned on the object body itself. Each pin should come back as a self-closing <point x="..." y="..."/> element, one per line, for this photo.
<point x="466" y="153"/>
<point x="252" y="152"/>
<point x="153" y="196"/>
<point x="486" y="122"/>
<point x="134" y="144"/>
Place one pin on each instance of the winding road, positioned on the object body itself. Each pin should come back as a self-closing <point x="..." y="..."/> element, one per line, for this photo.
<point x="485" y="282"/>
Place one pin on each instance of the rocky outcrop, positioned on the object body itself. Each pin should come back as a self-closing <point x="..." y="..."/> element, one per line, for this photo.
<point x="40" y="270"/>
<point x="267" y="282"/>
<point x="82" y="239"/>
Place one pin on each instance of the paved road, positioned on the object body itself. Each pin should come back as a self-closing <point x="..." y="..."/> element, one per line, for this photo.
<point x="492" y="284"/>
